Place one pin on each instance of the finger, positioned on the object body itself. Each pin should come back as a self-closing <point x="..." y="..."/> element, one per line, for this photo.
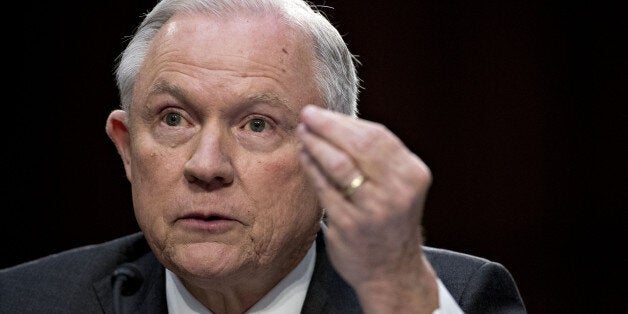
<point x="395" y="175"/>
<point x="374" y="149"/>
<point x="335" y="164"/>
<point x="337" y="207"/>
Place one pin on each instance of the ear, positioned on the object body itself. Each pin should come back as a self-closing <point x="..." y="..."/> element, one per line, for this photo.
<point x="118" y="132"/>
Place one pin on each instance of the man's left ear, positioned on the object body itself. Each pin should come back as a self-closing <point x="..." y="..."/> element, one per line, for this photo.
<point x="118" y="132"/>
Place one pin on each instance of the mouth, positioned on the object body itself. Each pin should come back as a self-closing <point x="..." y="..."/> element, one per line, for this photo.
<point x="207" y="223"/>
<point x="210" y="217"/>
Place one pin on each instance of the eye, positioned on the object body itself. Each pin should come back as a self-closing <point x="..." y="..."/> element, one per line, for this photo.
<point x="257" y="125"/>
<point x="172" y="119"/>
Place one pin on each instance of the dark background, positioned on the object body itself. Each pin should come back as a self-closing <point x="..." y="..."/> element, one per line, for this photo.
<point x="518" y="107"/>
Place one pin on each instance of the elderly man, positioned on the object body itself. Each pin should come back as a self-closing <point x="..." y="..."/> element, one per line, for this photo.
<point x="254" y="184"/>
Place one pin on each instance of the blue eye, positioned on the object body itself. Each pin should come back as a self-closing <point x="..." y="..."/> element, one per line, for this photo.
<point x="257" y="125"/>
<point x="173" y="119"/>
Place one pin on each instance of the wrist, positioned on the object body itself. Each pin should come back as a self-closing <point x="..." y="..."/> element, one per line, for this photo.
<point x="411" y="291"/>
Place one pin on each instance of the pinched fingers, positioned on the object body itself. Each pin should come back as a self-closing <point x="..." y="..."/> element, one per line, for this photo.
<point x="330" y="197"/>
<point x="337" y="167"/>
<point x="332" y="172"/>
<point x="373" y="149"/>
<point x="378" y="154"/>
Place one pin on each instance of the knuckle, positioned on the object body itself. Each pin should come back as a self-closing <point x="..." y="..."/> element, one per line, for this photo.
<point x="412" y="186"/>
<point x="372" y="135"/>
<point x="340" y="164"/>
<point x="404" y="197"/>
<point x="421" y="175"/>
<point x="425" y="174"/>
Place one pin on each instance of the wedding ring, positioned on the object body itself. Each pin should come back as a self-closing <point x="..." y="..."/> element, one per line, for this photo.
<point x="354" y="185"/>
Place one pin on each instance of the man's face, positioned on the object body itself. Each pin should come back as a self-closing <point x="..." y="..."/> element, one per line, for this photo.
<point x="217" y="186"/>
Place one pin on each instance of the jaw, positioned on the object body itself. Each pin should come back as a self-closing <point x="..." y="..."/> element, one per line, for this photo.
<point x="224" y="279"/>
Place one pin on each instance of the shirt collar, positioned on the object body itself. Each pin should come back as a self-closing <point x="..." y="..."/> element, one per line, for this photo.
<point x="286" y="297"/>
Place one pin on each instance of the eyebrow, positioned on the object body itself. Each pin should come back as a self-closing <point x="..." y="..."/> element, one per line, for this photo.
<point x="271" y="99"/>
<point x="163" y="87"/>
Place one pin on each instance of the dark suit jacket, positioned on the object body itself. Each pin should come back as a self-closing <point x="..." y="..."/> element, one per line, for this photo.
<point x="80" y="281"/>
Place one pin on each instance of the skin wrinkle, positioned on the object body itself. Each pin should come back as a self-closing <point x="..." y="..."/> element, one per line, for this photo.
<point x="248" y="102"/>
<point x="156" y="89"/>
<point x="240" y="75"/>
<point x="164" y="87"/>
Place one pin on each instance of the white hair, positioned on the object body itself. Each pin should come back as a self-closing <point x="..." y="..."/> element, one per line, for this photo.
<point x="334" y="66"/>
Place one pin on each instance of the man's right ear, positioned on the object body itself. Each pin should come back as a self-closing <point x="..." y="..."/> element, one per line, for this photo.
<point x="118" y="132"/>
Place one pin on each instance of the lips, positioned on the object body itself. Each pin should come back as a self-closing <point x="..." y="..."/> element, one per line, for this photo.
<point x="207" y="223"/>
<point x="206" y="217"/>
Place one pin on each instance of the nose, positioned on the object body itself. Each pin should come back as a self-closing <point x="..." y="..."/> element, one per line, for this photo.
<point x="210" y="164"/>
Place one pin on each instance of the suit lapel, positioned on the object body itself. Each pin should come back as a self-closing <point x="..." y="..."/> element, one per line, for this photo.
<point x="150" y="298"/>
<point x="328" y="292"/>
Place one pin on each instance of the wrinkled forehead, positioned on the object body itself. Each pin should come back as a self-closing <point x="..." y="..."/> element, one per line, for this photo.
<point x="254" y="44"/>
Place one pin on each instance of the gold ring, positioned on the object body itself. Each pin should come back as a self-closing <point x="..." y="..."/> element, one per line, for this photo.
<point x="354" y="185"/>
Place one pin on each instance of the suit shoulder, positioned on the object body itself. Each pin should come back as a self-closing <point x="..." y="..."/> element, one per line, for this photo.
<point x="443" y="259"/>
<point x="73" y="271"/>
<point x="456" y="268"/>
<point x="81" y="257"/>
<point x="478" y="285"/>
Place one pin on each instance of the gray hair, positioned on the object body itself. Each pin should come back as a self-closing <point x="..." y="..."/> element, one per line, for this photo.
<point x="334" y="67"/>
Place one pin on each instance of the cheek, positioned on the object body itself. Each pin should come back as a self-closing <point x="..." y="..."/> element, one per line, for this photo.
<point x="155" y="167"/>
<point x="283" y="195"/>
<point x="148" y="184"/>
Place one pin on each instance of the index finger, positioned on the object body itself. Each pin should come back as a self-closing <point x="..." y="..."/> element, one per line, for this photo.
<point x="370" y="144"/>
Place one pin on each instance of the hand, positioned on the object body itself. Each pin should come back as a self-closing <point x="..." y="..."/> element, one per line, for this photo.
<point x="374" y="235"/>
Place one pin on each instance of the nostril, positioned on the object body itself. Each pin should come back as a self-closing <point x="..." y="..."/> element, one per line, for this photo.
<point x="209" y="165"/>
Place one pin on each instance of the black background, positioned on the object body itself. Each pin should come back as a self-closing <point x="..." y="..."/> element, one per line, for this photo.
<point x="518" y="107"/>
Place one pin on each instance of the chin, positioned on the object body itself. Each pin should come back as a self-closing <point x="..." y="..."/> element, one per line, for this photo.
<point x="207" y="261"/>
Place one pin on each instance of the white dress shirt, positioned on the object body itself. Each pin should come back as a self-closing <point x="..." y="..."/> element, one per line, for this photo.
<point x="285" y="298"/>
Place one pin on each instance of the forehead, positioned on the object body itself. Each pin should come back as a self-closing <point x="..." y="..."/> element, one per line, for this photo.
<point x="256" y="37"/>
<point x="226" y="51"/>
